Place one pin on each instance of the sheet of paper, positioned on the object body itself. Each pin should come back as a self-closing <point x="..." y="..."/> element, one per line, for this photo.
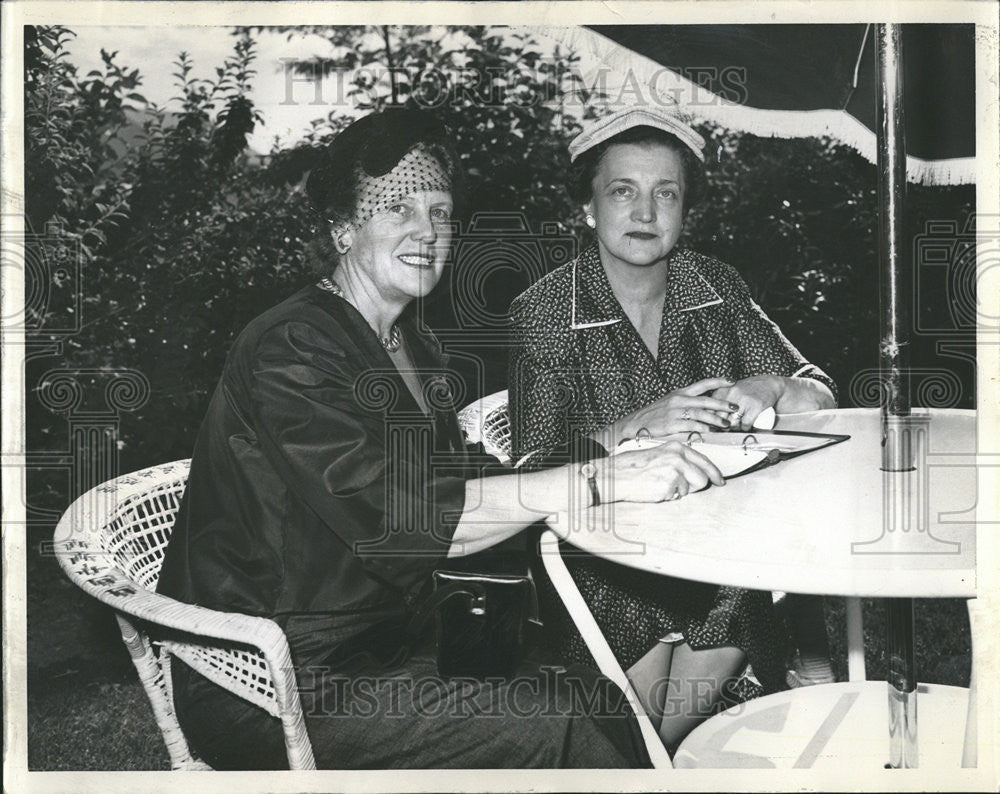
<point x="765" y="420"/>
<point x="730" y="460"/>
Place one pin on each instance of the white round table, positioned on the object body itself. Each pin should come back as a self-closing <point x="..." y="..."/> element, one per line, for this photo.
<point x="819" y="523"/>
<point x="828" y="522"/>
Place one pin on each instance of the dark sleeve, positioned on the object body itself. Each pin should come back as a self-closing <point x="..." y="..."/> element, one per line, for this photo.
<point x="323" y="424"/>
<point x="764" y="349"/>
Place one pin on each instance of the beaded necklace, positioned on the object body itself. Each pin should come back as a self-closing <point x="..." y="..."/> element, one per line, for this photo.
<point x="391" y="343"/>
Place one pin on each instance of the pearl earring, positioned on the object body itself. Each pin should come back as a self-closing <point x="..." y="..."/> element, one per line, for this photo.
<point x="591" y="222"/>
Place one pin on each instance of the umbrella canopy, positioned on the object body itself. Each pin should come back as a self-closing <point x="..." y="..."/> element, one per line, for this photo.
<point x="806" y="80"/>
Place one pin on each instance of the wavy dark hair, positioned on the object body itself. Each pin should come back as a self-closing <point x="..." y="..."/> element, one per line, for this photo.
<point x="580" y="179"/>
<point x="376" y="143"/>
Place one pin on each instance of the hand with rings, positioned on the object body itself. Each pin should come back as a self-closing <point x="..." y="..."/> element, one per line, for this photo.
<point x="682" y="411"/>
<point x="751" y="396"/>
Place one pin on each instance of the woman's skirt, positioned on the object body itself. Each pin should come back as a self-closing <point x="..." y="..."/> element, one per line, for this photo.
<point x="636" y="609"/>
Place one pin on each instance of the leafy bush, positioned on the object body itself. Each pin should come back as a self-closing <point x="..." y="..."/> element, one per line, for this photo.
<point x="183" y="237"/>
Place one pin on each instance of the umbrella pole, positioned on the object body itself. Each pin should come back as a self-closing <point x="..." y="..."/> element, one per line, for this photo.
<point x="897" y="446"/>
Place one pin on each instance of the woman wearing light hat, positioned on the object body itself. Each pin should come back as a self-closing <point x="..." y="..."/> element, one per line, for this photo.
<point x="638" y="333"/>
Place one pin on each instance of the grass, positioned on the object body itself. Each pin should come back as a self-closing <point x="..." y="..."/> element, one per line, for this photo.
<point x="87" y="710"/>
<point x="86" y="707"/>
<point x="97" y="726"/>
<point x="941" y="639"/>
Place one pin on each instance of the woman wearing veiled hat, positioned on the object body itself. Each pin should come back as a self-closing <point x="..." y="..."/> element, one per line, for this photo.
<point x="638" y="333"/>
<point x="329" y="480"/>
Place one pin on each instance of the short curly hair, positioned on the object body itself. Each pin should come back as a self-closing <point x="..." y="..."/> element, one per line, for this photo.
<point x="580" y="179"/>
<point x="375" y="143"/>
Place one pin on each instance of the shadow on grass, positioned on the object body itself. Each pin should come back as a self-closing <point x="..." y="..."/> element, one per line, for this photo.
<point x="86" y="707"/>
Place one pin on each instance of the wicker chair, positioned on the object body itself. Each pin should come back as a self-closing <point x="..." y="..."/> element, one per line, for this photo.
<point x="111" y="543"/>
<point x="487" y="422"/>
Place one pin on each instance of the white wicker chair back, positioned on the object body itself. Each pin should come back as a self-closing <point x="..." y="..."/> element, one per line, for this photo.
<point x="487" y="420"/>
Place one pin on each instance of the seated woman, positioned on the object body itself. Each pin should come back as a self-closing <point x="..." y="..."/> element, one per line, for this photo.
<point x="329" y="480"/>
<point x="638" y="333"/>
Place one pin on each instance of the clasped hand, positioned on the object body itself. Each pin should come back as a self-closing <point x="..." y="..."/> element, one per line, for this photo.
<point x="752" y="396"/>
<point x="685" y="410"/>
<point x="672" y="470"/>
<point x="706" y="405"/>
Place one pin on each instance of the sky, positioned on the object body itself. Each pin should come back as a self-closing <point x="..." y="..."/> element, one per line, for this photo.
<point x="288" y="102"/>
<point x="288" y="110"/>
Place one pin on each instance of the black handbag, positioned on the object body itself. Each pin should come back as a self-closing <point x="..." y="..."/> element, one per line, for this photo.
<point x="480" y="622"/>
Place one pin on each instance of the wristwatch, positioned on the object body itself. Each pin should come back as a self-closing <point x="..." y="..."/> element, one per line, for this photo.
<point x="589" y="471"/>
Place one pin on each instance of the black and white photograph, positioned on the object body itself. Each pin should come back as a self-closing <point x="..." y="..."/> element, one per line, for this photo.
<point x="510" y="396"/>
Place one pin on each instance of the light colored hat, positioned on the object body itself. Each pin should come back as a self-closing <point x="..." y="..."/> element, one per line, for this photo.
<point x="600" y="130"/>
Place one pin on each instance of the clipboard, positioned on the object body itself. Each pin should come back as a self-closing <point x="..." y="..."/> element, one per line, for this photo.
<point x="737" y="452"/>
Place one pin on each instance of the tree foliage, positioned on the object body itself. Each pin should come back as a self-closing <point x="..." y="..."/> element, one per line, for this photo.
<point x="200" y="240"/>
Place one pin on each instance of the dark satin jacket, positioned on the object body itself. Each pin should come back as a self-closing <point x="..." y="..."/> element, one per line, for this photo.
<point x="320" y="495"/>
